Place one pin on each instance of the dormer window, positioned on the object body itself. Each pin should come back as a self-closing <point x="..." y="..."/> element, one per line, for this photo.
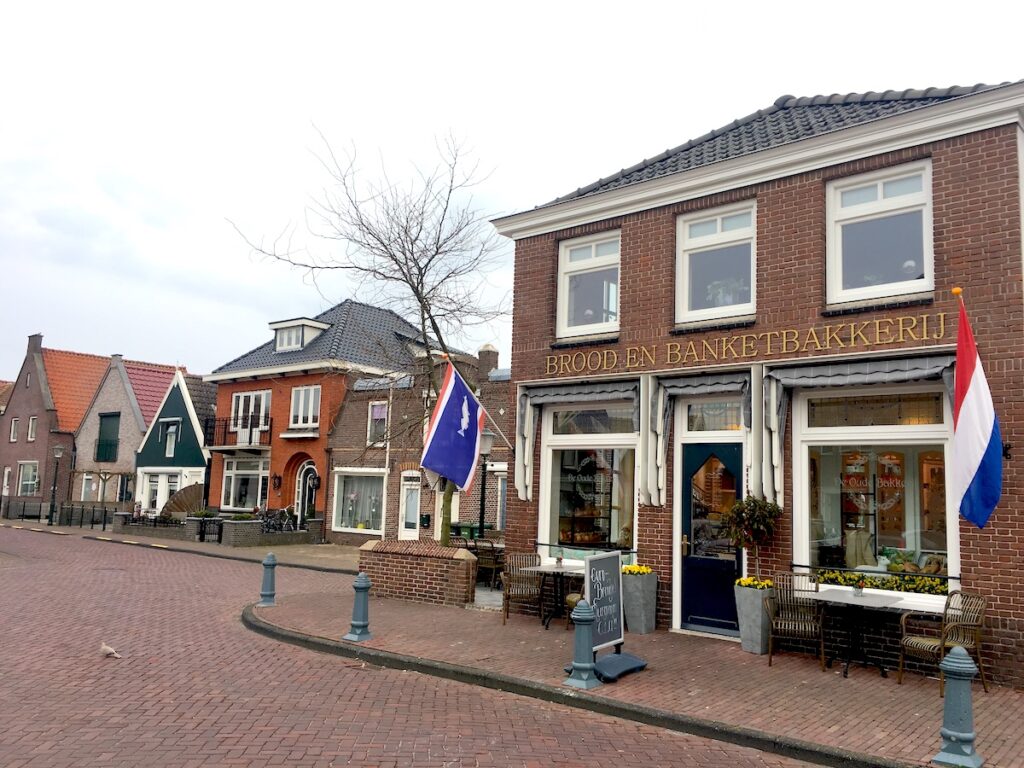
<point x="296" y="334"/>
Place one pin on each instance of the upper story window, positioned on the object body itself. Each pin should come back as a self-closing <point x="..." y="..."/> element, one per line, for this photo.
<point x="168" y="436"/>
<point x="716" y="263"/>
<point x="31" y="428"/>
<point x="107" y="443"/>
<point x="588" y="285"/>
<point x="377" y="423"/>
<point x="250" y="410"/>
<point x="879" y="235"/>
<point x="14" y="430"/>
<point x="305" y="407"/>
<point x="289" y="338"/>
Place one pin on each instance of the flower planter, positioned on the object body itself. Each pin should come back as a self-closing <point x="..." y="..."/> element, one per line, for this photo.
<point x="753" y="618"/>
<point x="639" y="601"/>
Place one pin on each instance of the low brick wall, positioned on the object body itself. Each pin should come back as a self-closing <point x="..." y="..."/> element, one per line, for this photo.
<point x="424" y="572"/>
<point x="249" y="533"/>
<point x="123" y="526"/>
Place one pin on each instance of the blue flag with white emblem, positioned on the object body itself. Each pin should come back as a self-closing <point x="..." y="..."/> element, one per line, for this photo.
<point x="452" y="445"/>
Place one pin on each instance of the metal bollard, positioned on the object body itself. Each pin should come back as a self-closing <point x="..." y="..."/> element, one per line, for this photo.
<point x="360" y="629"/>
<point x="582" y="675"/>
<point x="267" y="590"/>
<point x="958" y="713"/>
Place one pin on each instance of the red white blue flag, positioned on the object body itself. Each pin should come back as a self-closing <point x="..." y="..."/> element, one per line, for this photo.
<point x="976" y="476"/>
<point x="452" y="445"/>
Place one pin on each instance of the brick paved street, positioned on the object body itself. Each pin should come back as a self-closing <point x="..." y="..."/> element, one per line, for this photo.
<point x="195" y="688"/>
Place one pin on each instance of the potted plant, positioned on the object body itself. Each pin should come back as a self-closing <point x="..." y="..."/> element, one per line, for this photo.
<point x="639" y="598"/>
<point x="750" y="524"/>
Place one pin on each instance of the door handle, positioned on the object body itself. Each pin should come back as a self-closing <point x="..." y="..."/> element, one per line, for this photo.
<point x="685" y="544"/>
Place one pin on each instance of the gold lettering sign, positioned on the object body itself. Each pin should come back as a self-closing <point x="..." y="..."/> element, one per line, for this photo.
<point x="861" y="334"/>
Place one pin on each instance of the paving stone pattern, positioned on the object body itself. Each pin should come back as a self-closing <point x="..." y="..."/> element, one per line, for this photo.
<point x="195" y="688"/>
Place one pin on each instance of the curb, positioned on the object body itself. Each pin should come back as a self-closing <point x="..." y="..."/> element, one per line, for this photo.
<point x="711" y="729"/>
<point x="184" y="550"/>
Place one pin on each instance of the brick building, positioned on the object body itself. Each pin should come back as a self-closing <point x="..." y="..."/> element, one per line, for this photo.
<point x="767" y="309"/>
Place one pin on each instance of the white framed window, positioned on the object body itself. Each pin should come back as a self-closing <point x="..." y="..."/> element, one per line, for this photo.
<point x="377" y="422"/>
<point x="879" y="234"/>
<point x="28" y="478"/>
<point x="411" y="484"/>
<point x="14" y="430"/>
<point x="6" y="489"/>
<point x="168" y="436"/>
<point x="870" y="484"/>
<point x="305" y="411"/>
<point x="716" y="263"/>
<point x="359" y="500"/>
<point x="153" y="493"/>
<point x="86" y="487"/>
<point x="289" y="338"/>
<point x="588" y="479"/>
<point x="588" y="285"/>
<point x="250" y="410"/>
<point x="31" y="436"/>
<point x="245" y="483"/>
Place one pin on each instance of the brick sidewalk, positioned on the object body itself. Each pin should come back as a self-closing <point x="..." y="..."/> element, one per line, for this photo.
<point x="690" y="676"/>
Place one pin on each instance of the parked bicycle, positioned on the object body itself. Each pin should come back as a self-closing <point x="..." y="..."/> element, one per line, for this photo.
<point x="277" y="520"/>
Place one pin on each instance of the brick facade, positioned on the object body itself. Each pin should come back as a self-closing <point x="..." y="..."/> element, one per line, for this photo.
<point x="976" y="207"/>
<point x="423" y="572"/>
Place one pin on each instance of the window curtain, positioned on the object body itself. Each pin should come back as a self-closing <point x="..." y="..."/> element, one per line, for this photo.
<point x="532" y="399"/>
<point x="359" y="504"/>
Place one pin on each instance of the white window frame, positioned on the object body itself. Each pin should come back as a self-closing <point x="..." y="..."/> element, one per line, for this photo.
<point x="236" y="416"/>
<point x="166" y="428"/>
<point x="31" y="434"/>
<point x="230" y="472"/>
<point x="566" y="269"/>
<point x="86" y="487"/>
<point x="551" y="442"/>
<point x="288" y="338"/>
<point x="22" y="465"/>
<point x="14" y="431"/>
<point x="302" y="402"/>
<point x="6" y="489"/>
<point x="409" y="478"/>
<point x="380" y="472"/>
<point x="369" y="422"/>
<point x="805" y="437"/>
<point x="687" y="245"/>
<point x="837" y="216"/>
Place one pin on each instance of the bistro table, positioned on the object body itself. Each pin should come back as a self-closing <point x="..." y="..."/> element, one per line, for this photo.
<point x="558" y="572"/>
<point x="854" y="608"/>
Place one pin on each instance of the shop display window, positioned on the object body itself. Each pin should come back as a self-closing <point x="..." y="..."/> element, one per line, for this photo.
<point x="594" y="492"/>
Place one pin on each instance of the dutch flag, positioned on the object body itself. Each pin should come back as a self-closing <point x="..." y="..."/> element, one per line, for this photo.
<point x="452" y="445"/>
<point x="976" y="477"/>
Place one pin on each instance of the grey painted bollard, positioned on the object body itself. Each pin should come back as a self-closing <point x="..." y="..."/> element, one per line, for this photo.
<point x="958" y="714"/>
<point x="360" y="629"/>
<point x="582" y="675"/>
<point x="267" y="590"/>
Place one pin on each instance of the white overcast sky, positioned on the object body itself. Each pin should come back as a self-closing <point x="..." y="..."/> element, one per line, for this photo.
<point x="131" y="133"/>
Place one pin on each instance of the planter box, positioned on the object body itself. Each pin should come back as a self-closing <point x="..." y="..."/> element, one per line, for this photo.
<point x="639" y="601"/>
<point x="754" y="623"/>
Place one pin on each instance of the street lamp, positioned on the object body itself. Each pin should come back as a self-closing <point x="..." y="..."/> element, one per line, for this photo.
<point x="486" y="441"/>
<point x="58" y="451"/>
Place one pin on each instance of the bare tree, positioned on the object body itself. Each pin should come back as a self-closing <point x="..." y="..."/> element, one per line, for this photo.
<point x="422" y="249"/>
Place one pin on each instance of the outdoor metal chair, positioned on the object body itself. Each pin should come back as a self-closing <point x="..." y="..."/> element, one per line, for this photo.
<point x="520" y="587"/>
<point x="793" y="613"/>
<point x="458" y="541"/>
<point x="962" y="622"/>
<point x="487" y="559"/>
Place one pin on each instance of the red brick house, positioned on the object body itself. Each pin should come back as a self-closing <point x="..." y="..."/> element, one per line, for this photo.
<point x="767" y="309"/>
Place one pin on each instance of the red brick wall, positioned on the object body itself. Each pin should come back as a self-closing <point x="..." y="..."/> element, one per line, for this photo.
<point x="423" y="572"/>
<point x="977" y="245"/>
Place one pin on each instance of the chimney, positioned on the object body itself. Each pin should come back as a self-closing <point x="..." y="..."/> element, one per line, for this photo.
<point x="488" y="356"/>
<point x="35" y="343"/>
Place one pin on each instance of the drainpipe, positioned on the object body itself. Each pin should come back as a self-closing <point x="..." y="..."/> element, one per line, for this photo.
<point x="756" y="430"/>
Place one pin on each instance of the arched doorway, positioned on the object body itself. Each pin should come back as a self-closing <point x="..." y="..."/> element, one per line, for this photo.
<point x="307" y="481"/>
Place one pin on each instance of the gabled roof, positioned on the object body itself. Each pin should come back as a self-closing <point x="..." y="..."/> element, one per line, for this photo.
<point x="203" y="395"/>
<point x="149" y="383"/>
<point x="5" y="393"/>
<point x="788" y="120"/>
<point x="72" y="378"/>
<point x="359" y="334"/>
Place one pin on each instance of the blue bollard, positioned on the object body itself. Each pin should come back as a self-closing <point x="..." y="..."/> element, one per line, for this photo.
<point x="582" y="675"/>
<point x="958" y="713"/>
<point x="360" y="629"/>
<point x="267" y="591"/>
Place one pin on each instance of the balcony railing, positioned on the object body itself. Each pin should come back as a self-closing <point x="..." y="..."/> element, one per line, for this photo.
<point x="244" y="432"/>
<point x="106" y="450"/>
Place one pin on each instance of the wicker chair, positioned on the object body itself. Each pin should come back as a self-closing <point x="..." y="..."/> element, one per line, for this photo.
<point x="520" y="587"/>
<point x="793" y="613"/>
<point x="962" y="622"/>
<point x="458" y="541"/>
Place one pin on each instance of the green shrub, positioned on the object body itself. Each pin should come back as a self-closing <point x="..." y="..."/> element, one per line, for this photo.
<point x="244" y="516"/>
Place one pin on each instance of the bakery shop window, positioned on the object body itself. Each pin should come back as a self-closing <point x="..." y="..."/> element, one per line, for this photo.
<point x="872" y="502"/>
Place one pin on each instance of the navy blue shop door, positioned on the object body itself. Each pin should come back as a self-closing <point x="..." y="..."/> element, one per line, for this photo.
<point x="712" y="478"/>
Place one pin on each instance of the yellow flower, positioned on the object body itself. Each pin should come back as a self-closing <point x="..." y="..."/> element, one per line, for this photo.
<point x="636" y="570"/>
<point x="754" y="583"/>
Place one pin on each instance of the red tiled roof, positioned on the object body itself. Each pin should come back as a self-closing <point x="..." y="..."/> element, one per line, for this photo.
<point x="73" y="378"/>
<point x="5" y="392"/>
<point x="150" y="382"/>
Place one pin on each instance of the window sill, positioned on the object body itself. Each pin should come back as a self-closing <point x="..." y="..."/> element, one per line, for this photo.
<point x="300" y="435"/>
<point x="366" y="531"/>
<point x="922" y="298"/>
<point x="714" y="324"/>
<point x="570" y="342"/>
